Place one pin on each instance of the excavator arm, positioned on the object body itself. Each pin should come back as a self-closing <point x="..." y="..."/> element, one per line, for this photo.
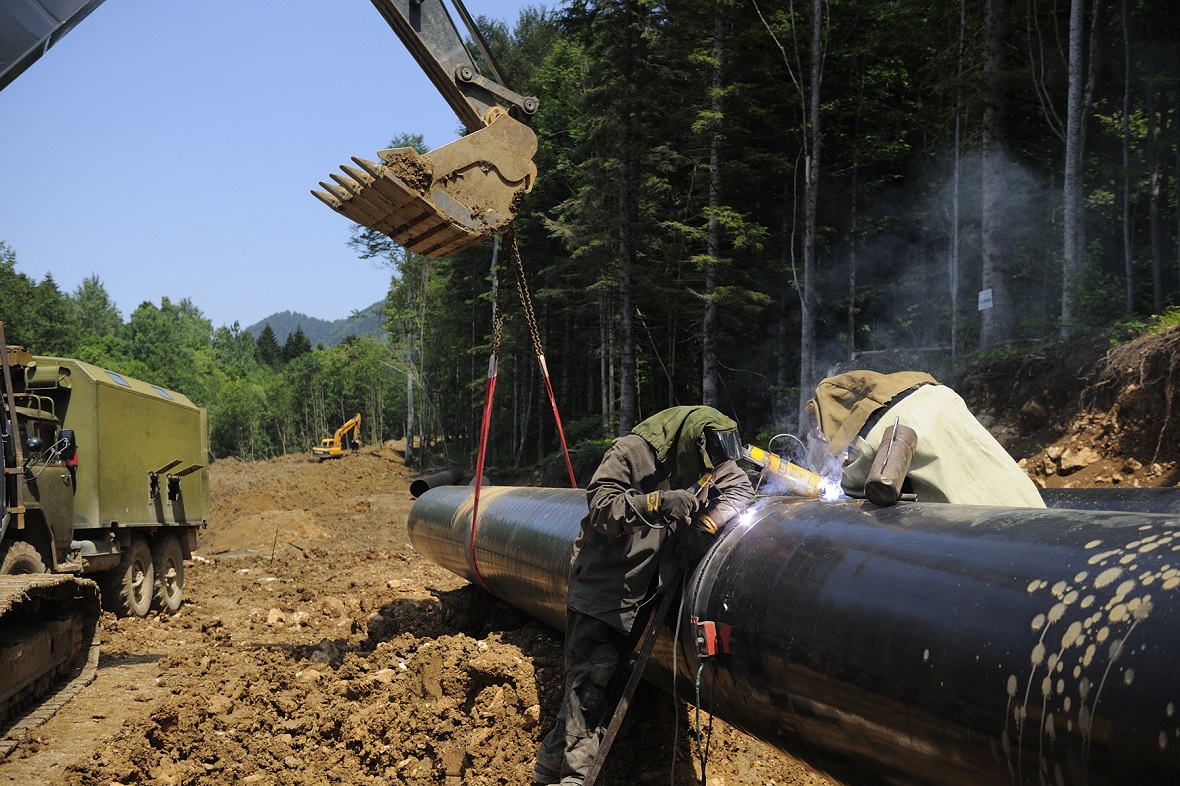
<point x="434" y="204"/>
<point x="444" y="201"/>
<point x="353" y="425"/>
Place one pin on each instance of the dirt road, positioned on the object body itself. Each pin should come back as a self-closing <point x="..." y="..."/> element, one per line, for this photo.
<point x="316" y="647"/>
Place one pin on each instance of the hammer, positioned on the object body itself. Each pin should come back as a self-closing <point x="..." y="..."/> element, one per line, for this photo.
<point x="890" y="465"/>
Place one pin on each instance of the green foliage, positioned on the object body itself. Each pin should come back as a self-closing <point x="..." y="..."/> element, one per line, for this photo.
<point x="270" y="354"/>
<point x="363" y="322"/>
<point x="297" y="344"/>
<point x="36" y="315"/>
<point x="1127" y="330"/>
<point x="97" y="313"/>
<point x="670" y="147"/>
<point x="173" y="340"/>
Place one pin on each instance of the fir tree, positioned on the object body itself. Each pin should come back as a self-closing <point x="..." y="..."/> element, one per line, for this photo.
<point x="269" y="351"/>
<point x="297" y="344"/>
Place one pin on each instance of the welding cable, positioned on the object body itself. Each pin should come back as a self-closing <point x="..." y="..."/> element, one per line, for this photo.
<point x="675" y="703"/>
<point x="630" y="500"/>
<point x="703" y="750"/>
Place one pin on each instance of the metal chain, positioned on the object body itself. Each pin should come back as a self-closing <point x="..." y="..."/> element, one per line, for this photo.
<point x="497" y="305"/>
<point x="522" y="289"/>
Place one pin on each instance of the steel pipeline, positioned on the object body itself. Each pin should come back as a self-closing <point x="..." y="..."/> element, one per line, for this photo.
<point x="446" y="477"/>
<point x="917" y="644"/>
<point x="1152" y="500"/>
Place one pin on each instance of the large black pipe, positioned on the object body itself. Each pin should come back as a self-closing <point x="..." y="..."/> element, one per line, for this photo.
<point x="447" y="477"/>
<point x="918" y="644"/>
<point x="1153" y="500"/>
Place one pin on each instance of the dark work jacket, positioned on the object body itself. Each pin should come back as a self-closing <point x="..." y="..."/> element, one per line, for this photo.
<point x="621" y="552"/>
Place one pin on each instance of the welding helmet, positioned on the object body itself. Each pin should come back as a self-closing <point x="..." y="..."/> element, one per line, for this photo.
<point x="677" y="435"/>
<point x="722" y="446"/>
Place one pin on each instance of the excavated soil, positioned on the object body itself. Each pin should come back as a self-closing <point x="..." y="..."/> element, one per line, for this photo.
<point x="1084" y="415"/>
<point x="315" y="646"/>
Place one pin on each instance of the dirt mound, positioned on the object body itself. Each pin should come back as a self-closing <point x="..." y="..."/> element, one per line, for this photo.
<point x="317" y="647"/>
<point x="1082" y="415"/>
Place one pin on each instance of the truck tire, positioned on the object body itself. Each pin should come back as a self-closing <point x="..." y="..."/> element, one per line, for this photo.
<point x="16" y="556"/>
<point x="168" y="564"/>
<point x="127" y="590"/>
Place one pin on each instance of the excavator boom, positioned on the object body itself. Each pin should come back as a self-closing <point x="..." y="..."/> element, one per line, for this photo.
<point x="438" y="203"/>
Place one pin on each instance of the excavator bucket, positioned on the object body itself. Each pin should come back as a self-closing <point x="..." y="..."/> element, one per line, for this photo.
<point x="444" y="201"/>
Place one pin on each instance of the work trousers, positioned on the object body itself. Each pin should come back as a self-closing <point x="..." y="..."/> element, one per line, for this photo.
<point x="593" y="651"/>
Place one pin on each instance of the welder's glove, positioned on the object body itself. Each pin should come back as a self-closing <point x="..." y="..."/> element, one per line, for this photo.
<point x="678" y="504"/>
<point x="696" y="540"/>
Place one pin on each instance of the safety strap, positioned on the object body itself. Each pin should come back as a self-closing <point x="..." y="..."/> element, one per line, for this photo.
<point x="526" y="301"/>
<point x="485" y="423"/>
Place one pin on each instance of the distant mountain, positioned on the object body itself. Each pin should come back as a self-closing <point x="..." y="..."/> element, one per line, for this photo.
<point x="366" y="322"/>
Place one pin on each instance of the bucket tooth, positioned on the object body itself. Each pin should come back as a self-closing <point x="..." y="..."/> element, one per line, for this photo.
<point x="352" y="209"/>
<point x="335" y="191"/>
<point x="327" y="199"/>
<point x="351" y="185"/>
<point x="360" y="176"/>
<point x="371" y="167"/>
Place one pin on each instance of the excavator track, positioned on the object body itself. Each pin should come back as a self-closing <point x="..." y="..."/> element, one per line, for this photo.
<point x="49" y="635"/>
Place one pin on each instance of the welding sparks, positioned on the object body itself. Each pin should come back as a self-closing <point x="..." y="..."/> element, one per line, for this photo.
<point x="830" y="491"/>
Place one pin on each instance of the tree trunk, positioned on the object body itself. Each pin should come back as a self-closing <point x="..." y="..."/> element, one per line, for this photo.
<point x="813" y="133"/>
<point x="605" y="350"/>
<point x="1128" y="269"/>
<point x="783" y="405"/>
<point x="1072" y="186"/>
<point x="998" y="321"/>
<point x="709" y="376"/>
<point x="1154" y="194"/>
<point x="409" y="394"/>
<point x="957" y="186"/>
<point x="628" y="219"/>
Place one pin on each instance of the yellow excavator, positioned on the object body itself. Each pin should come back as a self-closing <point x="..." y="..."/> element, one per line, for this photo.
<point x="329" y="447"/>
<point x="444" y="201"/>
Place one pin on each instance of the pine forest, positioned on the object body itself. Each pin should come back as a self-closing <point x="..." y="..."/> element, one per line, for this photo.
<point x="735" y="199"/>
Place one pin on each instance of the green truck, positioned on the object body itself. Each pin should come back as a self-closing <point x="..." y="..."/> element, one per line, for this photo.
<point x="105" y="488"/>
<point x="113" y="480"/>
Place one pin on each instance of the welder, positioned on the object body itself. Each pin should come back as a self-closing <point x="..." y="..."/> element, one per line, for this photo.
<point x="955" y="458"/>
<point x="658" y="497"/>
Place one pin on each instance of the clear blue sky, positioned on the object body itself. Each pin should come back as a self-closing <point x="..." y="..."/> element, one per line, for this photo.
<point x="170" y="148"/>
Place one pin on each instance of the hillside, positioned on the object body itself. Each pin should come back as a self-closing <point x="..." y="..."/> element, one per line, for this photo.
<point x="1081" y="414"/>
<point x="369" y="321"/>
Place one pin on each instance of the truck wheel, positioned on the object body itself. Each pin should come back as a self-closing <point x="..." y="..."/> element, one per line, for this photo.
<point x="127" y="590"/>
<point x="16" y="556"/>
<point x="168" y="564"/>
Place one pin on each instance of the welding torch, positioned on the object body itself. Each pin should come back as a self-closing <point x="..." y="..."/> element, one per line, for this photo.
<point x="701" y="490"/>
<point x="797" y="480"/>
